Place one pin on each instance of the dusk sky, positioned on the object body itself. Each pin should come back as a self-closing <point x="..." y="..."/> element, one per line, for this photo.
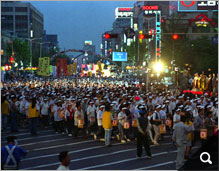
<point x="75" y="22"/>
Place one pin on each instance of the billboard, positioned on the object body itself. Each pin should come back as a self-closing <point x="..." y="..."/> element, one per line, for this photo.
<point x="123" y="12"/>
<point x="88" y="42"/>
<point x="120" y="56"/>
<point x="197" y="6"/>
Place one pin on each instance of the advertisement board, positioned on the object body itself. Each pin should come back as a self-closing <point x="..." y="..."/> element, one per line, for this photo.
<point x="120" y="56"/>
<point x="197" y="6"/>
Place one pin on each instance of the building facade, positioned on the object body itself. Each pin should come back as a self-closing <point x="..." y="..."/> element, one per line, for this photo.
<point x="18" y="19"/>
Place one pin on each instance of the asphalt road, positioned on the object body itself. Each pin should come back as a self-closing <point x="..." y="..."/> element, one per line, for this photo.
<point x="88" y="154"/>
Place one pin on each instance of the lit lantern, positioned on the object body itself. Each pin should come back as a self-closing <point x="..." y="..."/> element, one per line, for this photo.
<point x="203" y="133"/>
<point x="126" y="125"/>
<point x="80" y="123"/>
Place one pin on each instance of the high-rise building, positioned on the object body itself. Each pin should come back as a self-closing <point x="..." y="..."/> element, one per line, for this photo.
<point x="18" y="19"/>
<point x="90" y="52"/>
<point x="50" y="46"/>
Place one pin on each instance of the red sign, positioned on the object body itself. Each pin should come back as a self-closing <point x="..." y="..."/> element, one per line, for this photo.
<point x="125" y="9"/>
<point x="150" y="7"/>
<point x="192" y="3"/>
<point x="202" y="18"/>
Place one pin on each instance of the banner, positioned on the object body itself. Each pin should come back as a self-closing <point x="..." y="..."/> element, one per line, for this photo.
<point x="44" y="68"/>
<point x="62" y="68"/>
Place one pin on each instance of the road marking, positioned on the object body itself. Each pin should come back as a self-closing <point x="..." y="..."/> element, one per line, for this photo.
<point x="44" y="142"/>
<point x="122" y="161"/>
<point x="29" y="133"/>
<point x="95" y="156"/>
<point x="156" y="165"/>
<point x="46" y="148"/>
<point x="35" y="138"/>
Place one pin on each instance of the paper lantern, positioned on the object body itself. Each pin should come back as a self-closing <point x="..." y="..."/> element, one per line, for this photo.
<point x="134" y="123"/>
<point x="115" y="122"/>
<point x="80" y="123"/>
<point x="203" y="133"/>
<point x="168" y="123"/>
<point x="163" y="129"/>
<point x="126" y="125"/>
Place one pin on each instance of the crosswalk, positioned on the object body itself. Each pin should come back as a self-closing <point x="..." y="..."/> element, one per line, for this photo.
<point x="88" y="154"/>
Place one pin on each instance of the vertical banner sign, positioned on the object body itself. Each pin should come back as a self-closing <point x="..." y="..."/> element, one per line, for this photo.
<point x="62" y="68"/>
<point x="40" y="66"/>
<point x="75" y="67"/>
<point x="58" y="67"/>
<point x="45" y="68"/>
<point x="65" y="67"/>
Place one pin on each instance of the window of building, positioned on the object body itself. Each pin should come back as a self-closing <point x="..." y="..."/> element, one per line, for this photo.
<point x="21" y="9"/>
<point x="7" y="9"/>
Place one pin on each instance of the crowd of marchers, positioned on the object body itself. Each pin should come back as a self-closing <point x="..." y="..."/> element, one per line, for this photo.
<point x="109" y="110"/>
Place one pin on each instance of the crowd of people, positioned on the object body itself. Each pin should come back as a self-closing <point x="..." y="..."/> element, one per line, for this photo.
<point x="109" y="109"/>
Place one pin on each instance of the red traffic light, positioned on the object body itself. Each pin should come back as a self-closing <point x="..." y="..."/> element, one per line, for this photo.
<point x="175" y="36"/>
<point x="141" y="36"/>
<point x="107" y="36"/>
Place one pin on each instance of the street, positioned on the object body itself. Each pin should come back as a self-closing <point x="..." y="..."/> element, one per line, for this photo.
<point x="89" y="154"/>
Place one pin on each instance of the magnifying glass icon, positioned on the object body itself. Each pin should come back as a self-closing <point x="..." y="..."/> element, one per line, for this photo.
<point x="208" y="159"/>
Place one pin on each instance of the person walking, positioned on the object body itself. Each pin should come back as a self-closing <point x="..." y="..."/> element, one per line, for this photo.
<point x="65" y="160"/>
<point x="45" y="113"/>
<point x="142" y="137"/>
<point x="180" y="135"/>
<point x="156" y="124"/>
<point x="11" y="154"/>
<point x="5" y="112"/>
<point x="107" y="124"/>
<point x="33" y="115"/>
<point x="13" y="114"/>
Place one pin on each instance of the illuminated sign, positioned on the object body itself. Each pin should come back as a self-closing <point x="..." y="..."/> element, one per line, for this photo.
<point x="119" y="56"/>
<point x="202" y="20"/>
<point x="125" y="9"/>
<point x="88" y="42"/>
<point x="150" y="7"/>
<point x="123" y="12"/>
<point x="194" y="6"/>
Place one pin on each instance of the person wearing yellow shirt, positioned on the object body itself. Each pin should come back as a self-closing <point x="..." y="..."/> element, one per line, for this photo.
<point x="188" y="122"/>
<point x="5" y="112"/>
<point x="107" y="124"/>
<point x="33" y="115"/>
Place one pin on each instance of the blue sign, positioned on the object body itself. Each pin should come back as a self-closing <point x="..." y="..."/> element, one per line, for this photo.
<point x="120" y="56"/>
<point x="214" y="40"/>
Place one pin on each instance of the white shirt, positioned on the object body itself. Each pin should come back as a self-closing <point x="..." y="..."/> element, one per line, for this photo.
<point x="162" y="114"/>
<point x="175" y="118"/>
<point x="61" y="167"/>
<point x="156" y="115"/>
<point x="45" y="109"/>
<point x="56" y="113"/>
<point x="120" y="116"/>
<point x="91" y="111"/>
<point x="99" y="117"/>
<point x="79" y="115"/>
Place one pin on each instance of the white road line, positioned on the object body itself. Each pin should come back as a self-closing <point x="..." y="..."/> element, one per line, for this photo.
<point x="122" y="161"/>
<point x="46" y="148"/>
<point x="156" y="165"/>
<point x="44" y="142"/>
<point x="85" y="158"/>
<point x="29" y="133"/>
<point x="35" y="138"/>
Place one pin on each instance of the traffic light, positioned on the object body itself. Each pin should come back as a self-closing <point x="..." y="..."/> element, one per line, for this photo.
<point x="145" y="36"/>
<point x="175" y="36"/>
<point x="110" y="36"/>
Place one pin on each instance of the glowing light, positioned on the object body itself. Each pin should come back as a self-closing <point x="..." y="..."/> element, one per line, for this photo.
<point x="158" y="67"/>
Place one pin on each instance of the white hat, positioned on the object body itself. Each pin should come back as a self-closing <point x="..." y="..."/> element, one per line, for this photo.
<point x="181" y="106"/>
<point x="209" y="106"/>
<point x="141" y="107"/>
<point x="159" y="106"/>
<point x="177" y="110"/>
<point x="124" y="108"/>
<point x="102" y="106"/>
<point x="92" y="102"/>
<point x="188" y="110"/>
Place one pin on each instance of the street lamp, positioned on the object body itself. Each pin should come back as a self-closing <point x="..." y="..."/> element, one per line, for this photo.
<point x="158" y="67"/>
<point x="41" y="46"/>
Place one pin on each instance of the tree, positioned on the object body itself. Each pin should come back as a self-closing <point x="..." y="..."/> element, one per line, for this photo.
<point x="21" y="52"/>
<point x="133" y="52"/>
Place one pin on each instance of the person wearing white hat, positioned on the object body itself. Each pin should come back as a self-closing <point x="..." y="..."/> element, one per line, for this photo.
<point x="122" y="117"/>
<point x="69" y="116"/>
<point x="156" y="123"/>
<point x="91" y="117"/>
<point x="100" y="131"/>
<point x="176" y="117"/>
<point x="44" y="111"/>
<point x="172" y="105"/>
<point x="57" y="109"/>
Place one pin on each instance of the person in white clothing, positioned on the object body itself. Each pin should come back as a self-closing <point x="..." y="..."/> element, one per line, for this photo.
<point x="122" y="118"/>
<point x="65" y="160"/>
<point x="57" y="109"/>
<point x="176" y="117"/>
<point x="100" y="131"/>
<point x="91" y="117"/>
<point x="45" y="113"/>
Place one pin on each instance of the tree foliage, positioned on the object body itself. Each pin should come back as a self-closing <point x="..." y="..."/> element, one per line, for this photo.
<point x="21" y="52"/>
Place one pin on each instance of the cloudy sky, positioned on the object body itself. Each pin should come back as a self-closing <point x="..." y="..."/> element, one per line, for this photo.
<point x="75" y="22"/>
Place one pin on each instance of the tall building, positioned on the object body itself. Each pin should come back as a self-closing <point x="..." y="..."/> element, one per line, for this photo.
<point x="90" y="52"/>
<point x="18" y="19"/>
<point x="50" y="46"/>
